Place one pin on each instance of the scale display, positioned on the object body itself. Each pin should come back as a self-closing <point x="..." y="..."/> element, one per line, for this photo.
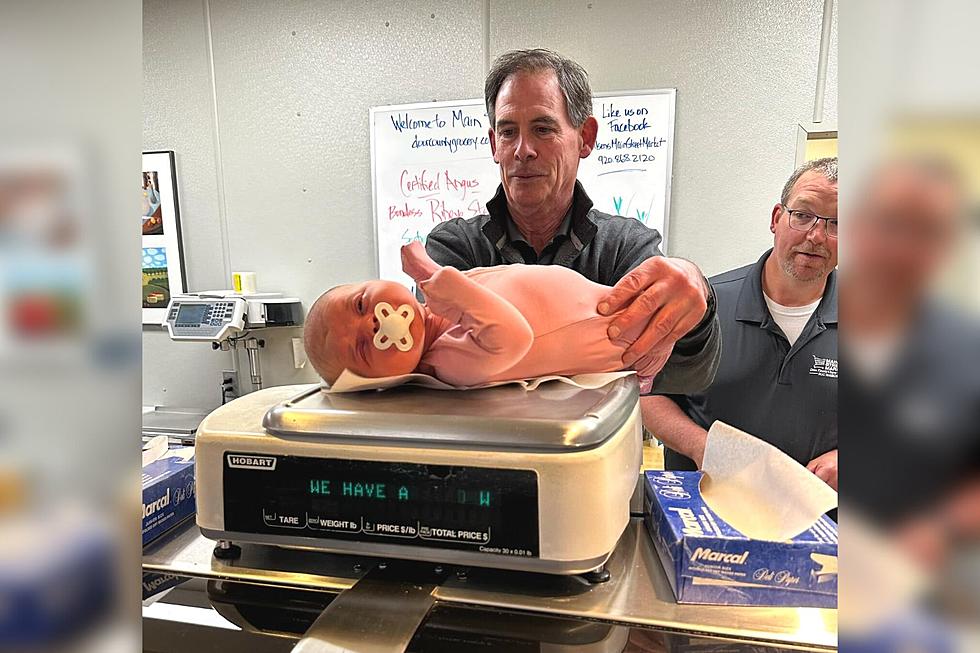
<point x="191" y="314"/>
<point x="443" y="506"/>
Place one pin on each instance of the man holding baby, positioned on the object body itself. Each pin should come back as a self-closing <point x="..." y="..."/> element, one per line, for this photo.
<point x="540" y="109"/>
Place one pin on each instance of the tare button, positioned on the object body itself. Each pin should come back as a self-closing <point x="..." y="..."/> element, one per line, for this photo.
<point x="282" y="520"/>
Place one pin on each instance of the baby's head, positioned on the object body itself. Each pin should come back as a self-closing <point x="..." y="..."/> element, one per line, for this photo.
<point x="374" y="329"/>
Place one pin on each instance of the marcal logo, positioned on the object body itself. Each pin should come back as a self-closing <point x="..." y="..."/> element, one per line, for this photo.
<point x="153" y="506"/>
<point x="691" y="525"/>
<point x="150" y="586"/>
<point x="719" y="556"/>
<point x="252" y="462"/>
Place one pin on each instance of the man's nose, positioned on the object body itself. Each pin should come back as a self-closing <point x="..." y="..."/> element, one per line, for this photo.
<point x="818" y="232"/>
<point x="524" y="150"/>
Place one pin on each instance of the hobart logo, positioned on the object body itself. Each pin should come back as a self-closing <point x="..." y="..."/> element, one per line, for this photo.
<point x="702" y="553"/>
<point x="689" y="521"/>
<point x="825" y="367"/>
<point x="238" y="461"/>
<point x="155" y="506"/>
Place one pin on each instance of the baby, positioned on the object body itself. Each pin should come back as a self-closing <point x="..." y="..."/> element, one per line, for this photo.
<point x="502" y="323"/>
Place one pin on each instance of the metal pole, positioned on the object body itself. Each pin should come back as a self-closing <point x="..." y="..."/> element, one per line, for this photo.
<point x="828" y="13"/>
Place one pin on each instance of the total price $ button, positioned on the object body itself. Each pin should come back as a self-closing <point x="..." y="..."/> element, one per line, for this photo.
<point x="454" y="535"/>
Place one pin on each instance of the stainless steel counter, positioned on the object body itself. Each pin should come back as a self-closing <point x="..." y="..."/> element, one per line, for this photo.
<point x="637" y="593"/>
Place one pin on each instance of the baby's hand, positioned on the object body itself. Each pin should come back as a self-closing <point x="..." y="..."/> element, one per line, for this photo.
<point x="416" y="262"/>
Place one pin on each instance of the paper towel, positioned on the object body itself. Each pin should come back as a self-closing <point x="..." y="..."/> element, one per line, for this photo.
<point x="350" y="382"/>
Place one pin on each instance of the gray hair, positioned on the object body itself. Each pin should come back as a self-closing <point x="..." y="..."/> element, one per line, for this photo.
<point x="572" y="79"/>
<point x="826" y="166"/>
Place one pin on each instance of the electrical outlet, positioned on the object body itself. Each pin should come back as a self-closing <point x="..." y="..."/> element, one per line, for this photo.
<point x="230" y="387"/>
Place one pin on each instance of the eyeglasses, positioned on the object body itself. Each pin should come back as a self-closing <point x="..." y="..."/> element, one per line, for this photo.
<point x="804" y="221"/>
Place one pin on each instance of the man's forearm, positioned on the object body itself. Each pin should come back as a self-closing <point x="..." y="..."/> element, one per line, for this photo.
<point x="667" y="422"/>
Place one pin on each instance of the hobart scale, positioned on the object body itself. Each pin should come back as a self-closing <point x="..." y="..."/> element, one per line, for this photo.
<point x="534" y="481"/>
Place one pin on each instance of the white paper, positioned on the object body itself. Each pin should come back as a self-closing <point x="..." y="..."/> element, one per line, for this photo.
<point x="758" y="489"/>
<point x="350" y="382"/>
<point x="158" y="448"/>
<point x="154" y="449"/>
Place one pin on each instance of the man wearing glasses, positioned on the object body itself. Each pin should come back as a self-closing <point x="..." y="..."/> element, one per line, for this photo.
<point x="778" y="373"/>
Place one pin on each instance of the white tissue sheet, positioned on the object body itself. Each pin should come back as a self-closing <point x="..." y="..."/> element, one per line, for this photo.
<point x="759" y="490"/>
<point x="350" y="382"/>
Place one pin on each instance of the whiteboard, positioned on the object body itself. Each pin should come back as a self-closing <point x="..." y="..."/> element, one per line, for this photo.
<point x="431" y="162"/>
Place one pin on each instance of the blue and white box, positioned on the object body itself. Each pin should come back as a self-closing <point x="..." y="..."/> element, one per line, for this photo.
<point x="708" y="561"/>
<point x="168" y="492"/>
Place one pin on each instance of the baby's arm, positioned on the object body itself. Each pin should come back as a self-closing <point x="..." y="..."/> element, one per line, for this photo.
<point x="490" y="335"/>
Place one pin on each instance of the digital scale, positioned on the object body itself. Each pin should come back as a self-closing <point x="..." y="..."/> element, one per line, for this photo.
<point x="217" y="315"/>
<point x="504" y="478"/>
<point x="224" y="317"/>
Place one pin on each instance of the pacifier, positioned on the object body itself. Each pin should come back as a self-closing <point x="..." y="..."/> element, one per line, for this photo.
<point x="393" y="326"/>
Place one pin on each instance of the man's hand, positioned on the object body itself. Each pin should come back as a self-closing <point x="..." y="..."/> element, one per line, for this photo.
<point x="825" y="467"/>
<point x="416" y="262"/>
<point x="665" y="299"/>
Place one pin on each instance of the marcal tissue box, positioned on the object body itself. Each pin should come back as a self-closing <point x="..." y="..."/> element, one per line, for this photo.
<point x="708" y="561"/>
<point x="168" y="491"/>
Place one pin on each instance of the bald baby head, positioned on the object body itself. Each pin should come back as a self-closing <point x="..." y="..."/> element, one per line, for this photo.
<point x="374" y="329"/>
<point x="315" y="333"/>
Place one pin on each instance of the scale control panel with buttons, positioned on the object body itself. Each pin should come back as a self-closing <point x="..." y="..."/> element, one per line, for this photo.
<point x="213" y="319"/>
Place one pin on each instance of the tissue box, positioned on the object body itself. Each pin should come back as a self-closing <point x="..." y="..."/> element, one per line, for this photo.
<point x="168" y="494"/>
<point x="708" y="561"/>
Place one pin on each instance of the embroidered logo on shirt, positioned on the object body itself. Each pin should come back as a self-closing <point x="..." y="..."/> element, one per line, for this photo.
<point x="826" y="367"/>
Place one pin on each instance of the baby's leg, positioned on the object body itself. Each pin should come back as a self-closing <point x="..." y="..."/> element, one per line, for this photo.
<point x="416" y="262"/>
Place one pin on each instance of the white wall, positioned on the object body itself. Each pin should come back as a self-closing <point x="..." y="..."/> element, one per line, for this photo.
<point x="272" y="149"/>
<point x="745" y="73"/>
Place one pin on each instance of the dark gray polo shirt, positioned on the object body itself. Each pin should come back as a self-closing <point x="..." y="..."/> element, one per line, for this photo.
<point x="547" y="256"/>
<point x="784" y="395"/>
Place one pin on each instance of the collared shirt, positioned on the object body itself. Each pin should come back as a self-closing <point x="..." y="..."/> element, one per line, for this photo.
<point x="784" y="394"/>
<point x="601" y="247"/>
<point x="547" y="255"/>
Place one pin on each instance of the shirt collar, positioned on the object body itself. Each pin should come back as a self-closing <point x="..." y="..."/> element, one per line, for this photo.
<point x="752" y="307"/>
<point x="580" y="229"/>
<point x="564" y="228"/>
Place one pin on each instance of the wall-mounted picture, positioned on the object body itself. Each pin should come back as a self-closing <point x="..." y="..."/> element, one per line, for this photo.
<point x="152" y="208"/>
<point x="156" y="280"/>
<point x="163" y="259"/>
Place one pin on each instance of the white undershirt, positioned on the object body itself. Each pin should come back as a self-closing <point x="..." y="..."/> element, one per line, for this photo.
<point x="791" y="319"/>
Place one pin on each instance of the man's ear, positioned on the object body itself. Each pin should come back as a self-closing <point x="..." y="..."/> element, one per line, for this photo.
<point x="776" y="211"/>
<point x="493" y="144"/>
<point x="588" y="131"/>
